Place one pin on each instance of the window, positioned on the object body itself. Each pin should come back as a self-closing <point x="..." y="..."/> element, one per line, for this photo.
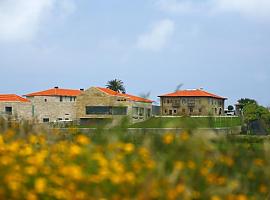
<point x="8" y="110"/>
<point x="148" y="112"/>
<point x="66" y="119"/>
<point x="170" y="112"/>
<point x="105" y="110"/>
<point x="119" y="110"/>
<point x="60" y="119"/>
<point x="141" y="111"/>
<point x="70" y="98"/>
<point x="200" y="110"/>
<point x="168" y="101"/>
<point x="98" y="110"/>
<point x="184" y="101"/>
<point x="175" y="111"/>
<point x="165" y="110"/>
<point x="46" y="120"/>
<point x="61" y="99"/>
<point x="191" y="110"/>
<point x="45" y="100"/>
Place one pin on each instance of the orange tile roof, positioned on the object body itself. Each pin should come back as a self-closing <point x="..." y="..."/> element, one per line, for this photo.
<point x="12" y="98"/>
<point x="131" y="97"/>
<point x="56" y="92"/>
<point x="192" y="93"/>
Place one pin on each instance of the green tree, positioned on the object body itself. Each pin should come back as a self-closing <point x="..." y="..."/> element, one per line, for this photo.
<point x="245" y="101"/>
<point x="116" y="85"/>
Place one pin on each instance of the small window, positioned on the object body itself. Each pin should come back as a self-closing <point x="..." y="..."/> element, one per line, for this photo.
<point x="165" y="110"/>
<point x="60" y="119"/>
<point x="175" y="111"/>
<point x="46" y="120"/>
<point x="45" y="100"/>
<point x="184" y="101"/>
<point x="8" y="110"/>
<point x="70" y="98"/>
<point x="61" y="99"/>
<point x="191" y="110"/>
<point x="66" y="119"/>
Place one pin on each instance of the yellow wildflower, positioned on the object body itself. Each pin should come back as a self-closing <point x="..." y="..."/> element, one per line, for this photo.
<point x="31" y="196"/>
<point x="191" y="164"/>
<point x="33" y="139"/>
<point x="40" y="185"/>
<point x="215" y="197"/>
<point x="180" y="188"/>
<point x="75" y="150"/>
<point x="129" y="148"/>
<point x="263" y="189"/>
<point x="184" y="136"/>
<point x="30" y="170"/>
<point x="259" y="162"/>
<point x="241" y="197"/>
<point x="168" y="138"/>
<point x="81" y="139"/>
<point x="1" y="140"/>
<point x="130" y="177"/>
<point x="179" y="165"/>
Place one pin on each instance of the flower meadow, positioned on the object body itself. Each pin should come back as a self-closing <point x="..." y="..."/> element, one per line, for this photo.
<point x="49" y="164"/>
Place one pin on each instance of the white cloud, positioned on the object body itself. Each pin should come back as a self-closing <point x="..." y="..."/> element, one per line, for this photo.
<point x="157" y="38"/>
<point x="21" y="19"/>
<point x="248" y="8"/>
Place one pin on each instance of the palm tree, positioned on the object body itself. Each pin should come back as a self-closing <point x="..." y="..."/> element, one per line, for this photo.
<point x="116" y="85"/>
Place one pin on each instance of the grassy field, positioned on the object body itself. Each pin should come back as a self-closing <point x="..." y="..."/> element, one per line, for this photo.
<point x="183" y="122"/>
<point x="38" y="163"/>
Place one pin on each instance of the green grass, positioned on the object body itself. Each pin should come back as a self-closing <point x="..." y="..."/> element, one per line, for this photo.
<point x="187" y="122"/>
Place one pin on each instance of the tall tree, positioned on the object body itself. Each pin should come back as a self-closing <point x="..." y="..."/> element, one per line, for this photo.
<point x="246" y="101"/>
<point x="116" y="85"/>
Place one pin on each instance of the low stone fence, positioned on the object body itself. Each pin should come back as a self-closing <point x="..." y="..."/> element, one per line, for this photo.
<point x="233" y="130"/>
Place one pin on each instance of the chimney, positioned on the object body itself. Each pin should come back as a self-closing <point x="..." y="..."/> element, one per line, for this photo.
<point x="82" y="89"/>
<point x="56" y="87"/>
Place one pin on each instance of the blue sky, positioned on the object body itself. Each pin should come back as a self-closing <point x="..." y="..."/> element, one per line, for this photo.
<point x="222" y="46"/>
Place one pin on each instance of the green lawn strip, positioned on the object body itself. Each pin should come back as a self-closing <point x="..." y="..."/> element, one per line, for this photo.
<point x="189" y="122"/>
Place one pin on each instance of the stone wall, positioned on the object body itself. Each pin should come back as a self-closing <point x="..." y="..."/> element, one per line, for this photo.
<point x="200" y="106"/>
<point x="20" y="110"/>
<point x="95" y="97"/>
<point x="50" y="107"/>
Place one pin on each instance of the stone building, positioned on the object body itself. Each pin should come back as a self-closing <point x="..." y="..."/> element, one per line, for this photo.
<point x="15" y="107"/>
<point x="97" y="105"/>
<point x="54" y="105"/>
<point x="195" y="102"/>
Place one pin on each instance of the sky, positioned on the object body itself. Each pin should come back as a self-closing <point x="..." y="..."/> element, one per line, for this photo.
<point x="153" y="46"/>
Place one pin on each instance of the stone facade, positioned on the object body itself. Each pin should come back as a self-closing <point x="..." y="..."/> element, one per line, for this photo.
<point x="192" y="106"/>
<point x="191" y="103"/>
<point x="16" y="110"/>
<point x="53" y="108"/>
<point x="94" y="105"/>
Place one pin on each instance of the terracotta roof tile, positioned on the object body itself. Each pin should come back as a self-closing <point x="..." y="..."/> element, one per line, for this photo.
<point x="131" y="97"/>
<point x="56" y="92"/>
<point x="12" y="98"/>
<point x="192" y="93"/>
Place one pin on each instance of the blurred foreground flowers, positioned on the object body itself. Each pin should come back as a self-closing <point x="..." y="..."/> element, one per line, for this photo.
<point x="121" y="166"/>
